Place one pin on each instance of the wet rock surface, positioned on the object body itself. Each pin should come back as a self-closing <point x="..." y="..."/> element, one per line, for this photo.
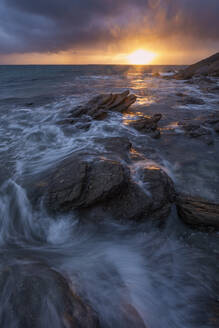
<point x="79" y="183"/>
<point x="203" y="127"/>
<point x="198" y="212"/>
<point x="106" y="188"/>
<point x="188" y="100"/>
<point x="101" y="184"/>
<point x="118" y="147"/>
<point x="151" y="200"/>
<point x="147" y="125"/>
<point x="195" y="129"/>
<point x="39" y="293"/>
<point x="129" y="272"/>
<point x="101" y="105"/>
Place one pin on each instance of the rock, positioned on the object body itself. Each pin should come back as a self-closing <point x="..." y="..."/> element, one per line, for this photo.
<point x="79" y="183"/>
<point x="180" y="94"/>
<point x="216" y="127"/>
<point x="199" y="132"/>
<point x="188" y="100"/>
<point x="198" y="212"/>
<point x="214" y="89"/>
<point x="99" y="106"/>
<point x="194" y="129"/>
<point x="211" y="119"/>
<point x="101" y="188"/>
<point x="160" y="187"/>
<point x="208" y="66"/>
<point x="155" y="134"/>
<point x="147" y="125"/>
<point x="189" y="126"/>
<point x="207" y="139"/>
<point x="156" y="74"/>
<point x="116" y="146"/>
<point x="135" y="203"/>
<point x="38" y="297"/>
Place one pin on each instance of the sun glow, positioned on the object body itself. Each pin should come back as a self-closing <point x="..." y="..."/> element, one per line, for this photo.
<point x="141" y="57"/>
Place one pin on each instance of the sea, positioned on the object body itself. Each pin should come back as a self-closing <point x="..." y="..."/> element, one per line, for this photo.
<point x="169" y="277"/>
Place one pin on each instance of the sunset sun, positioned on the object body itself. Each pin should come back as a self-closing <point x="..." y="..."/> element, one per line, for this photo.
<point x="141" y="57"/>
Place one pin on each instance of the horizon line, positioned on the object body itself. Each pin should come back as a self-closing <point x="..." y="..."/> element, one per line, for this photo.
<point x="94" y="65"/>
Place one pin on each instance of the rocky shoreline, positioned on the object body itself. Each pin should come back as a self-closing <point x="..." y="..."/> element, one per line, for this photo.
<point x="96" y="186"/>
<point x="120" y="180"/>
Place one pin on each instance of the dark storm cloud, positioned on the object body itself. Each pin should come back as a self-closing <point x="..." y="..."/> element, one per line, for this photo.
<point x="195" y="18"/>
<point x="53" y="25"/>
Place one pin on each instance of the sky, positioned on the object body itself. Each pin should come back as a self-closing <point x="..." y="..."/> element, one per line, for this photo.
<point x="107" y="31"/>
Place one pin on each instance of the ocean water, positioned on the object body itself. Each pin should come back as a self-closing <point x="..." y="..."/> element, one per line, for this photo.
<point x="169" y="278"/>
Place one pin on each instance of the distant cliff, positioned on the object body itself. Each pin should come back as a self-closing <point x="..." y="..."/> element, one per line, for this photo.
<point x="208" y="66"/>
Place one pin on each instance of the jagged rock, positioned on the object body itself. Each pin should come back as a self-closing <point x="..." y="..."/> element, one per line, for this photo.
<point x="102" y="188"/>
<point x="147" y="124"/>
<point x="198" y="212"/>
<point x="99" y="106"/>
<point x="36" y="294"/>
<point x="208" y="66"/>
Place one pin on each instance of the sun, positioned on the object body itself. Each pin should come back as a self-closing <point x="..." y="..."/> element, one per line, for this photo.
<point x="141" y="57"/>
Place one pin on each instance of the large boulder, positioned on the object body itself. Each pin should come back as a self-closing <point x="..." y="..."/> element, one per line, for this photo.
<point x="198" y="212"/>
<point x="77" y="182"/>
<point x="100" y="188"/>
<point x="99" y="106"/>
<point x="208" y="66"/>
<point x="36" y="296"/>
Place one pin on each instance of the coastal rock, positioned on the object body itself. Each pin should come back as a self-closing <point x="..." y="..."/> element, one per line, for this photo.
<point x="216" y="127"/>
<point x="99" y="106"/>
<point x="188" y="100"/>
<point x="199" y="132"/>
<point x="156" y="74"/>
<point x="117" y="147"/>
<point x="198" y="212"/>
<point x="79" y="183"/>
<point x="159" y="185"/>
<point x="148" y="200"/>
<point x="100" y="188"/>
<point x="35" y="294"/>
<point x="147" y="125"/>
<point x="211" y="119"/>
<point x="195" y="129"/>
<point x="207" y="139"/>
<point x="208" y="66"/>
<point x="190" y="126"/>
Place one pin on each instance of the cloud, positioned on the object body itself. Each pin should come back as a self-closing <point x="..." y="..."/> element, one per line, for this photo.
<point x="58" y="25"/>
